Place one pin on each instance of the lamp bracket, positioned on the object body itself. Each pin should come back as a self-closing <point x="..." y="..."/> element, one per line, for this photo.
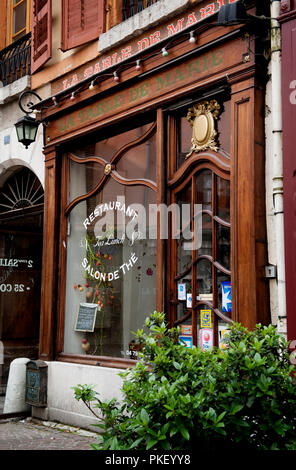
<point x="27" y="100"/>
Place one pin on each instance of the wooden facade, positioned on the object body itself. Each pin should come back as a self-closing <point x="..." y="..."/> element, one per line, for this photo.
<point x="221" y="63"/>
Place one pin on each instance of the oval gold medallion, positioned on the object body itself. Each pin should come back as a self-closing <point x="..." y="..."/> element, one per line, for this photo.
<point x="201" y="127"/>
<point x="202" y="120"/>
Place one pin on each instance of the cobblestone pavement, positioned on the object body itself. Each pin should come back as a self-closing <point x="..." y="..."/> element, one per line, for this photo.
<point x="25" y="434"/>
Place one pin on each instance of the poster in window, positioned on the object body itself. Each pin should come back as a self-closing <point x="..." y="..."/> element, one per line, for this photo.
<point x="223" y="336"/>
<point x="206" y="339"/>
<point x="186" y="330"/>
<point x="226" y="296"/>
<point x="205" y="319"/>
<point x="186" y="341"/>
<point x="182" y="291"/>
<point x="189" y="300"/>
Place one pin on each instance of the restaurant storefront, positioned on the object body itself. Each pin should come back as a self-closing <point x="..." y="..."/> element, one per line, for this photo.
<point x="155" y="193"/>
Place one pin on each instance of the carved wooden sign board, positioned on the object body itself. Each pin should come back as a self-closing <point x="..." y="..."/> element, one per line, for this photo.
<point x="158" y="86"/>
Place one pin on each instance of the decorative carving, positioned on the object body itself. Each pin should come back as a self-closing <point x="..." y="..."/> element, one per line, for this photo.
<point x="202" y="120"/>
<point x="108" y="169"/>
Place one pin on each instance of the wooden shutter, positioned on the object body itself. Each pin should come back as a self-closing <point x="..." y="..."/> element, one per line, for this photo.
<point x="82" y="21"/>
<point x="41" y="33"/>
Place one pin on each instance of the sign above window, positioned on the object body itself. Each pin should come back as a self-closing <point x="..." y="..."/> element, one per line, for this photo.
<point x="141" y="44"/>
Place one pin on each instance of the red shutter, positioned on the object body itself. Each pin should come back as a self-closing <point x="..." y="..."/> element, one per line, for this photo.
<point x="82" y="21"/>
<point x="41" y="33"/>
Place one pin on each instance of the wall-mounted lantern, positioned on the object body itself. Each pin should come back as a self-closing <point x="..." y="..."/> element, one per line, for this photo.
<point x="27" y="126"/>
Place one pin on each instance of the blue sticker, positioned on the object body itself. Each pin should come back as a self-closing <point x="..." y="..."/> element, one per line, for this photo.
<point x="186" y="341"/>
<point x="226" y="296"/>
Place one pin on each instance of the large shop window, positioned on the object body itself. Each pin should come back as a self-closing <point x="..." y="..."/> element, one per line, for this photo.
<point x="110" y="259"/>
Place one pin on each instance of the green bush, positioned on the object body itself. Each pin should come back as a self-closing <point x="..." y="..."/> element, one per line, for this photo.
<point x="182" y="398"/>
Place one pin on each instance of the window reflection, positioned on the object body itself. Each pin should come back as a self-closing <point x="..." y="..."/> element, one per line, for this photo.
<point x="223" y="246"/>
<point x="206" y="247"/>
<point x="204" y="280"/>
<point x="204" y="189"/>
<point x="83" y="178"/>
<point x="183" y="232"/>
<point x="223" y="199"/>
<point x="139" y="162"/>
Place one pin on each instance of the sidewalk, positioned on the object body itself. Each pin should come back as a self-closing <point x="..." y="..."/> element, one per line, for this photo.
<point x="26" y="434"/>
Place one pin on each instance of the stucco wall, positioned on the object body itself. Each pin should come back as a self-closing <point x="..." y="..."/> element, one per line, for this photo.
<point x="12" y="153"/>
<point x="62" y="406"/>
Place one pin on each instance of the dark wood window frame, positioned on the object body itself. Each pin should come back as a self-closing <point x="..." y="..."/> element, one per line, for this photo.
<point x="66" y="208"/>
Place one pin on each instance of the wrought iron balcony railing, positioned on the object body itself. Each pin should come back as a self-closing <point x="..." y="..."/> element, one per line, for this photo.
<point x="15" y="60"/>
<point x="131" y="7"/>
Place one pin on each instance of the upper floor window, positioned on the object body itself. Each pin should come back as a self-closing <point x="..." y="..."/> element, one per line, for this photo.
<point x="19" y="19"/>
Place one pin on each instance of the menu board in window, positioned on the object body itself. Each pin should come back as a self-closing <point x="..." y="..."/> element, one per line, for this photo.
<point x="86" y="317"/>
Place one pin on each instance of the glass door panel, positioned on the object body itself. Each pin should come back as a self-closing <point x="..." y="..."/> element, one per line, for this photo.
<point x="204" y="280"/>
<point x="204" y="189"/>
<point x="223" y="199"/>
<point x="184" y="297"/>
<point x="182" y="229"/>
<point x="206" y="246"/>
<point x="202" y="277"/>
<point x="223" y="245"/>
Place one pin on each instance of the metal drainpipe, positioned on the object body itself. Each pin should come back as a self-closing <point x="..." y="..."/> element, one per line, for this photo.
<point x="277" y="156"/>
